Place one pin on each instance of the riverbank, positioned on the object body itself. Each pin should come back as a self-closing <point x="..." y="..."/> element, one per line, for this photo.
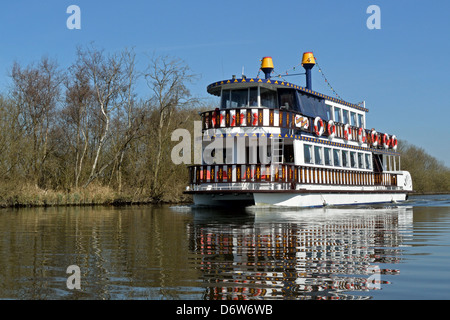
<point x="31" y="196"/>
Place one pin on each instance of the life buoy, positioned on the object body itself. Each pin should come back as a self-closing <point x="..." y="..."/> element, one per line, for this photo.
<point x="318" y="131"/>
<point x="385" y="140"/>
<point x="331" y="129"/>
<point x="361" y="135"/>
<point x="374" y="138"/>
<point x="347" y="132"/>
<point x="394" y="142"/>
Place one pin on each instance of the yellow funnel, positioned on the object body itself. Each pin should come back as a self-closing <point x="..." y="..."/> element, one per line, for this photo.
<point x="308" y="58"/>
<point x="267" y="66"/>
<point x="267" y="62"/>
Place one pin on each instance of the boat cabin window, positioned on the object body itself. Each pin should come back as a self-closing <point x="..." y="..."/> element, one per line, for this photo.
<point x="345" y="116"/>
<point x="239" y="98"/>
<point x="353" y="163"/>
<point x="344" y="158"/>
<point x="337" y="114"/>
<point x="368" y="161"/>
<point x="353" y="120"/>
<point x="360" y="160"/>
<point x="327" y="156"/>
<point x="329" y="111"/>
<point x="361" y="120"/>
<point x="286" y="99"/>
<point x="307" y="154"/>
<point x="337" y="157"/>
<point x="318" y="155"/>
<point x="268" y="98"/>
<point x="253" y="97"/>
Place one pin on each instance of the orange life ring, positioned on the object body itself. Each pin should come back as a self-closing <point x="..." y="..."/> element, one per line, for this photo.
<point x="347" y="132"/>
<point x="385" y="140"/>
<point x="394" y="142"/>
<point x="331" y="129"/>
<point x="318" y="131"/>
<point x="361" y="135"/>
<point x="374" y="138"/>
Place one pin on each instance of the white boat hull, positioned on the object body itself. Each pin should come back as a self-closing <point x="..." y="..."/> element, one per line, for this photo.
<point x="317" y="199"/>
<point x="287" y="199"/>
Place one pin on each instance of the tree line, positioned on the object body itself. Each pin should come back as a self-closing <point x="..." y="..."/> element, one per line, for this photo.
<point x="429" y="175"/>
<point x="84" y="135"/>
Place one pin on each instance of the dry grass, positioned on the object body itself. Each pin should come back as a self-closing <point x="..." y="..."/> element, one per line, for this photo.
<point x="27" y="195"/>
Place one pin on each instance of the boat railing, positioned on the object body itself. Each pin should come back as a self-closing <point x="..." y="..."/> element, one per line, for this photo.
<point x="286" y="119"/>
<point x="287" y="174"/>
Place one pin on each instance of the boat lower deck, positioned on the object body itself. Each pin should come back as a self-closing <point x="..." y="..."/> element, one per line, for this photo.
<point x="297" y="186"/>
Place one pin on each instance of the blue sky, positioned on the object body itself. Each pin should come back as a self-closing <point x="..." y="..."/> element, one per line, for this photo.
<point x="402" y="70"/>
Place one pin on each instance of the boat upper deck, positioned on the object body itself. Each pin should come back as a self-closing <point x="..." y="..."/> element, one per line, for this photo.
<point x="244" y="82"/>
<point x="280" y="109"/>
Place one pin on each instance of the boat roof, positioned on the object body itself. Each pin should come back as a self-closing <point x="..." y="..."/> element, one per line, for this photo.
<point x="215" y="89"/>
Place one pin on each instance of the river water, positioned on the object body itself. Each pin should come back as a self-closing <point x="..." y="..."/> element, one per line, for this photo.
<point x="378" y="252"/>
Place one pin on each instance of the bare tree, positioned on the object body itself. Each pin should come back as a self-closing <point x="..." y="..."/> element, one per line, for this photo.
<point x="167" y="78"/>
<point x="79" y="98"/>
<point x="36" y="91"/>
<point x="132" y="112"/>
<point x="112" y="78"/>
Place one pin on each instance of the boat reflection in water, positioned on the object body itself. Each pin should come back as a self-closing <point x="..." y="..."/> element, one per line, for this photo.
<point x="322" y="253"/>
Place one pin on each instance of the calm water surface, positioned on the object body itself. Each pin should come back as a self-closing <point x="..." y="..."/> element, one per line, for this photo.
<point x="179" y="252"/>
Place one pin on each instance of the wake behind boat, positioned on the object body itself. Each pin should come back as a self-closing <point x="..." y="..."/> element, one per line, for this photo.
<point x="273" y="142"/>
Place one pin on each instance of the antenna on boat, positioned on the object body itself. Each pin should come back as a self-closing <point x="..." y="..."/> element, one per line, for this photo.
<point x="267" y="66"/>
<point x="308" y="62"/>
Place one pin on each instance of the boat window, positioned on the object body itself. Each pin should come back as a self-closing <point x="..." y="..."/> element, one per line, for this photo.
<point x="353" y="120"/>
<point x="360" y="160"/>
<point x="268" y="98"/>
<point x="307" y="153"/>
<point x="361" y="120"/>
<point x="253" y="96"/>
<point x="226" y="103"/>
<point x="328" y="111"/>
<point x="239" y="98"/>
<point x="337" y="114"/>
<point x="337" y="157"/>
<point x="353" y="159"/>
<point x="368" y="161"/>
<point x="344" y="158"/>
<point x="345" y="116"/>
<point x="327" y="156"/>
<point x="287" y="99"/>
<point x="318" y="155"/>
